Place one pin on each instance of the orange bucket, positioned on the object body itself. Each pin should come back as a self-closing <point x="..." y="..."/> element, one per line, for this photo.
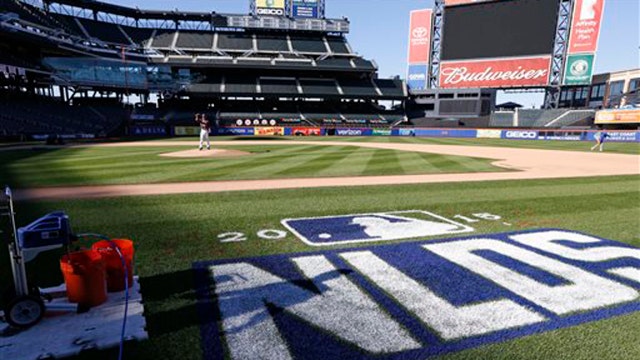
<point x="115" y="271"/>
<point x="84" y="276"/>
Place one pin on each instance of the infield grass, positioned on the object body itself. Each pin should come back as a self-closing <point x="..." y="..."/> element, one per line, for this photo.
<point x="173" y="231"/>
<point x="136" y="165"/>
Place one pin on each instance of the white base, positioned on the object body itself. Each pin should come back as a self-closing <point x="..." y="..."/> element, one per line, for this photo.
<point x="65" y="334"/>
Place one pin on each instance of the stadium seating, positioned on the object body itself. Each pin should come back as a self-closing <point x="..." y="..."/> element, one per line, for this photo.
<point x="107" y="32"/>
<point x="337" y="63"/>
<point x="319" y="87"/>
<point x="30" y="114"/>
<point x="163" y="39"/>
<point x="357" y="88"/>
<point x="501" y="119"/>
<point x="195" y="40"/>
<point x="240" y="85"/>
<point x="338" y="45"/>
<point x="141" y="36"/>
<point x="308" y="45"/>
<point x="364" y="64"/>
<point x="272" y="43"/>
<point x="390" y="87"/>
<point x="235" y="42"/>
<point x="271" y="86"/>
<point x="569" y="118"/>
<point x="192" y="67"/>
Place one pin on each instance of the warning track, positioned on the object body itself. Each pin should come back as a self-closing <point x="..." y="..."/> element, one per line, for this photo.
<point x="525" y="163"/>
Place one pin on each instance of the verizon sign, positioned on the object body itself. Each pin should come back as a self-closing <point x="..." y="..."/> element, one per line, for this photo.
<point x="585" y="26"/>
<point x="420" y="36"/>
<point x="496" y="73"/>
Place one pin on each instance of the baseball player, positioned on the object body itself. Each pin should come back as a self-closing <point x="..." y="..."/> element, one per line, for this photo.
<point x="205" y="127"/>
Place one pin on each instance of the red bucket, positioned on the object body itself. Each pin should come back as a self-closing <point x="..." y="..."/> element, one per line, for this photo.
<point x="115" y="271"/>
<point x="84" y="276"/>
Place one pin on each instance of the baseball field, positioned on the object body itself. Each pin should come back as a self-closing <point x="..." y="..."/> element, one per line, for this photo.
<point x="341" y="249"/>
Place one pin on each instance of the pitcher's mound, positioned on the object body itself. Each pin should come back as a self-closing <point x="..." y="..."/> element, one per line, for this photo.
<point x="195" y="153"/>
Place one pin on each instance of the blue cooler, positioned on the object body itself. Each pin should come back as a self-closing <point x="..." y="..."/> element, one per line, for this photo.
<point x="50" y="230"/>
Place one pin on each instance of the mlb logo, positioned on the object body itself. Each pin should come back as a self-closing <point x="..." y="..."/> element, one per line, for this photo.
<point x="357" y="228"/>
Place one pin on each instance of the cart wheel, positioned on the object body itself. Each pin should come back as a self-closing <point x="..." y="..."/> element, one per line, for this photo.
<point x="25" y="311"/>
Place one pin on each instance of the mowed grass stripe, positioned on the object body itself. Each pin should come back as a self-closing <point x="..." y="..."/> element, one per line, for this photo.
<point x="214" y="168"/>
<point x="416" y="163"/>
<point x="356" y="162"/>
<point x="267" y="169"/>
<point x="383" y="162"/>
<point x="327" y="159"/>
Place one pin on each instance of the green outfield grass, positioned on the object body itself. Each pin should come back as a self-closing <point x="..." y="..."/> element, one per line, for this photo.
<point x="171" y="232"/>
<point x="135" y="165"/>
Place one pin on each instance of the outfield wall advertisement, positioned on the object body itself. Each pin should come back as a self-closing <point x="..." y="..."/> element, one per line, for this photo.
<point x="510" y="134"/>
<point x="148" y="130"/>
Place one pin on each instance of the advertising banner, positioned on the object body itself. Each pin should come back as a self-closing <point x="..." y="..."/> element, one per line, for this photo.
<point x="585" y="26"/>
<point x="304" y="131"/>
<point x="353" y="132"/>
<point x="234" y="131"/>
<point x="406" y="132"/>
<point x="496" y="73"/>
<point x="305" y="8"/>
<point x="618" y="136"/>
<point x="270" y="7"/>
<point x="417" y="77"/>
<point x="268" y="131"/>
<point x="561" y="135"/>
<point x="578" y="69"/>
<point x="420" y="36"/>
<point x="618" y="116"/>
<point x="152" y="130"/>
<point x="520" y="134"/>
<point x="381" y="132"/>
<point x="446" y="133"/>
<point x="186" y="131"/>
<point x="489" y="134"/>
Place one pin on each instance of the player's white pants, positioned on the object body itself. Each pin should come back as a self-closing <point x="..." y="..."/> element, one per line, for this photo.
<point x="204" y="136"/>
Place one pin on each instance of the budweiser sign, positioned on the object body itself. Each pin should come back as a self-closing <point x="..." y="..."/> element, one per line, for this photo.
<point x="585" y="27"/>
<point x="496" y="73"/>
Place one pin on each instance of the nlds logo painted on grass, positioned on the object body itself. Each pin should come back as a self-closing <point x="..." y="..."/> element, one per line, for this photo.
<point x="345" y="229"/>
<point x="415" y="299"/>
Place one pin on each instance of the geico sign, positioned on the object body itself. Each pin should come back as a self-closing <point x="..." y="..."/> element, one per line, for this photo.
<point x="522" y="134"/>
<point x="417" y="76"/>
<point x="267" y="11"/>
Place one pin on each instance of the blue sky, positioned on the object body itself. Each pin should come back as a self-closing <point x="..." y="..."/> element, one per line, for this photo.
<point x="379" y="31"/>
